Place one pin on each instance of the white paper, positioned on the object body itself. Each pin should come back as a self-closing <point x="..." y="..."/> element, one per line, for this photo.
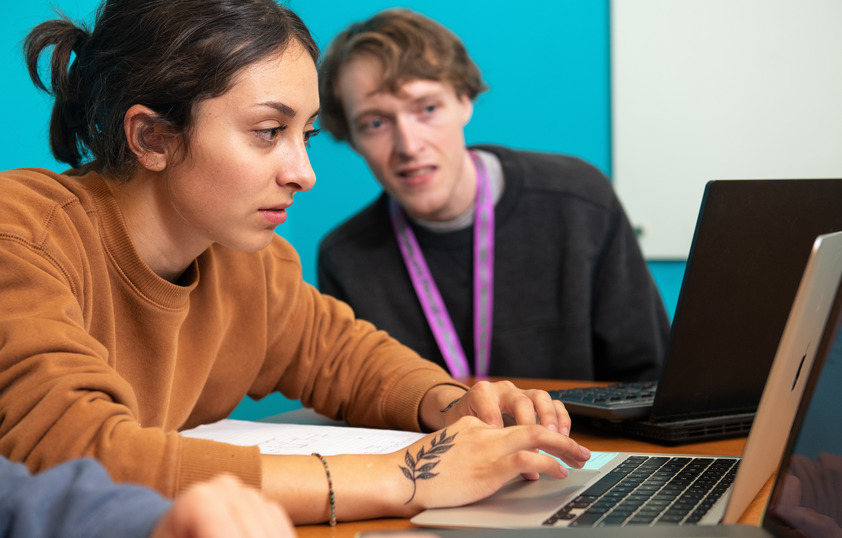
<point x="304" y="439"/>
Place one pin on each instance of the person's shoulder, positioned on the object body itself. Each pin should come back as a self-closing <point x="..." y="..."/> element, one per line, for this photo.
<point x="33" y="197"/>
<point x="29" y="184"/>
<point x="369" y="224"/>
<point x="555" y="173"/>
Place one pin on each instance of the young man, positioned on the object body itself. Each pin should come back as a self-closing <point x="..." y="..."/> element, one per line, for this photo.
<point x="488" y="260"/>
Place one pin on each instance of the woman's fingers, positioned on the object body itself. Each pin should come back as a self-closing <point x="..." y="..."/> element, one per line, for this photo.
<point x="490" y="402"/>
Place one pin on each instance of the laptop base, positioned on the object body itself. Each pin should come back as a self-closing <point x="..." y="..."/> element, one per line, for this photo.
<point x="660" y="531"/>
<point x="681" y="431"/>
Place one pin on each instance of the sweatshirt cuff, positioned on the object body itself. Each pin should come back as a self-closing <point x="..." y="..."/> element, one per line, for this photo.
<point x="401" y="406"/>
<point x="202" y="459"/>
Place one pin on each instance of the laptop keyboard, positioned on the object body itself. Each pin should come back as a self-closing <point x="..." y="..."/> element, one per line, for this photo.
<point x="612" y="399"/>
<point x="651" y="490"/>
<point x="617" y="394"/>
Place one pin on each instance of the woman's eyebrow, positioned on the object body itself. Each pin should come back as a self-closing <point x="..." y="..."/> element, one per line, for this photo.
<point x="284" y="109"/>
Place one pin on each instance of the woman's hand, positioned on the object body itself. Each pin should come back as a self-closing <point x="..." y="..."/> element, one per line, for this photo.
<point x="497" y="404"/>
<point x="469" y="460"/>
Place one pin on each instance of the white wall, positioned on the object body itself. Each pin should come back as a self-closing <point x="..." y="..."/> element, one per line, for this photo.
<point x="719" y="89"/>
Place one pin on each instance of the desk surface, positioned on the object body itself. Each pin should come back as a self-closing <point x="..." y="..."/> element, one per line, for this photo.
<point x="590" y="437"/>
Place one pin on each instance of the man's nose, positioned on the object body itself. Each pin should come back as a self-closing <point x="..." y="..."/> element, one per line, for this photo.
<point x="407" y="137"/>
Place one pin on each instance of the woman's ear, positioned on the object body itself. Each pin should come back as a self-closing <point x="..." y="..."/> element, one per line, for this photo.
<point x="147" y="137"/>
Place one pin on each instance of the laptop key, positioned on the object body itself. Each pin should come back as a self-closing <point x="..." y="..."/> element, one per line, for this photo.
<point x="586" y="519"/>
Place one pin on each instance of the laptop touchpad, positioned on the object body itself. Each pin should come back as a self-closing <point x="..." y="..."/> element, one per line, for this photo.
<point x="520" y="503"/>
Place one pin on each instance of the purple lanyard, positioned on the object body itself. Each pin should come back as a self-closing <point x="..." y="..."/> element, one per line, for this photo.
<point x="428" y="292"/>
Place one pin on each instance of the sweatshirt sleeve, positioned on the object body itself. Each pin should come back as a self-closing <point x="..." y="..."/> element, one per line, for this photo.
<point x="62" y="396"/>
<point x="341" y="366"/>
<point x="76" y="498"/>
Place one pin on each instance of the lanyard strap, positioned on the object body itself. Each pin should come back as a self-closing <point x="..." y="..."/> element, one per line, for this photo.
<point x="428" y="293"/>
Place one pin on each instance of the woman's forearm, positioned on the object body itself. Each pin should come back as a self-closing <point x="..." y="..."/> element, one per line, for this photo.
<point x="365" y="487"/>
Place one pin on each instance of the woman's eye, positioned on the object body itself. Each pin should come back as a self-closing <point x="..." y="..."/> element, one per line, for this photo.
<point x="270" y="134"/>
<point x="310" y="134"/>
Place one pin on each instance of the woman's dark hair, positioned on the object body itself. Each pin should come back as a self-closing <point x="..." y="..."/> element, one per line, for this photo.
<point x="409" y="46"/>
<point x="168" y="55"/>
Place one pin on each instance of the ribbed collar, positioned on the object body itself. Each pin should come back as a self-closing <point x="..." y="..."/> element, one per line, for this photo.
<point x="124" y="256"/>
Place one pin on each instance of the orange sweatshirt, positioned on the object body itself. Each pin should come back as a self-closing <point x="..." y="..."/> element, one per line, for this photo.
<point x="101" y="357"/>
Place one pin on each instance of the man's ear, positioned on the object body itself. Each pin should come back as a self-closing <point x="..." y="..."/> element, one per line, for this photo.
<point x="467" y="109"/>
<point x="147" y="138"/>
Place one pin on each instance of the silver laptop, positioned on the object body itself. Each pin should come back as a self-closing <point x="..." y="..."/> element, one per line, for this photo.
<point x="685" y="490"/>
<point x="721" y="340"/>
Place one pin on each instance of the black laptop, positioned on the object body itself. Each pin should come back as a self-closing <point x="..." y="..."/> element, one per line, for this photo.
<point x="752" y="240"/>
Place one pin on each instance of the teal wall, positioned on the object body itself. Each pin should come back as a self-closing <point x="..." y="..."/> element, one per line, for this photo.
<point x="547" y="68"/>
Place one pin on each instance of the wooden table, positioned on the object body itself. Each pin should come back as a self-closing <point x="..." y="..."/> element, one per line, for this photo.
<point x="594" y="439"/>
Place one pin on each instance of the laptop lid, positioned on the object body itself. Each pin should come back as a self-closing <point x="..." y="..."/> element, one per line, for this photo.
<point x="806" y="498"/>
<point x="788" y="376"/>
<point x="752" y="240"/>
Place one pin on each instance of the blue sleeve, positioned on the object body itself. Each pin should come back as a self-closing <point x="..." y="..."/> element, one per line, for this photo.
<point x="77" y="498"/>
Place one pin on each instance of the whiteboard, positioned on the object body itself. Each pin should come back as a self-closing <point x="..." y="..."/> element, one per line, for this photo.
<point x="719" y="89"/>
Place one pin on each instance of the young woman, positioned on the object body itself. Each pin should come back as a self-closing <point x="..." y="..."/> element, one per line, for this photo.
<point x="145" y="289"/>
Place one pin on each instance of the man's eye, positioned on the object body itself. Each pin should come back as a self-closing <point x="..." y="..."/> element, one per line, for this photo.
<point x="372" y="125"/>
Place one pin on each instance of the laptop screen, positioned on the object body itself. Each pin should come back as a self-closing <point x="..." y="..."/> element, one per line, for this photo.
<point x="807" y="497"/>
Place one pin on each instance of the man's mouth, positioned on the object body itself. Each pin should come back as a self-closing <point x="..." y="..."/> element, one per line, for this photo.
<point x="415" y="172"/>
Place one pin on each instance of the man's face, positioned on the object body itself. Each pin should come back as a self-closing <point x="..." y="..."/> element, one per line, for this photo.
<point x="413" y="141"/>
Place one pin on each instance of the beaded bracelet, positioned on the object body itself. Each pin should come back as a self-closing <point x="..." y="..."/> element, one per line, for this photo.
<point x="330" y="489"/>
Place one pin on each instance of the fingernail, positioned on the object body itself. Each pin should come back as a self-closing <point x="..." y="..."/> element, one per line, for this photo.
<point x="564" y="471"/>
<point x="552" y="428"/>
<point x="566" y="431"/>
<point x="585" y="452"/>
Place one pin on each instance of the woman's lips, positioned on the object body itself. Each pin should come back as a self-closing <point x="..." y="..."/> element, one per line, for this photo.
<point x="274" y="216"/>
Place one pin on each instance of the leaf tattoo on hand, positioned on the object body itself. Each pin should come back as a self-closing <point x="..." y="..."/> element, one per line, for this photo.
<point x="416" y="468"/>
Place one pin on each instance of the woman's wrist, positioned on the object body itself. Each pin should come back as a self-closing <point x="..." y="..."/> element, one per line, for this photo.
<point x="365" y="486"/>
<point x="371" y="486"/>
<point x="436" y="403"/>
